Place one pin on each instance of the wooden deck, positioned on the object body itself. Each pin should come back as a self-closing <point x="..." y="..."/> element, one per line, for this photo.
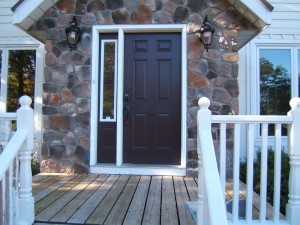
<point x="113" y="199"/>
<point x="120" y="199"/>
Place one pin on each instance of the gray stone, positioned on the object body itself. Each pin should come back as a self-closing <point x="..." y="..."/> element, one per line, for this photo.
<point x="49" y="110"/>
<point x="83" y="120"/>
<point x="163" y="17"/>
<point x="212" y="75"/>
<point x="83" y="73"/>
<point x="69" y="139"/>
<point x="225" y="110"/>
<point x="50" y="88"/>
<point x="221" y="95"/>
<point x="52" y="136"/>
<point x="197" y="5"/>
<point x="82" y="90"/>
<point x="72" y="80"/>
<point x="82" y="155"/>
<point x="50" y="59"/>
<point x="84" y="46"/>
<point x="192" y="155"/>
<point x="192" y="164"/>
<point x="52" y="34"/>
<point x="81" y="132"/>
<point x="181" y="14"/>
<point x="63" y="20"/>
<point x="121" y="16"/>
<point x="95" y="5"/>
<point x="57" y="152"/>
<point x="68" y="108"/>
<point x="44" y="24"/>
<point x="47" y="74"/>
<point x="204" y="92"/>
<point x="115" y="4"/>
<point x="80" y="9"/>
<point x="45" y="151"/>
<point x="79" y="168"/>
<point x="88" y="19"/>
<point x="59" y="75"/>
<point x="104" y="17"/>
<point x="83" y="104"/>
<point x="72" y="57"/>
<point x="232" y="86"/>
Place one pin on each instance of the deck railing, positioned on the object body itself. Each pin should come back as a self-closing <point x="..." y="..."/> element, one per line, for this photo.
<point x="212" y="183"/>
<point x="16" y="201"/>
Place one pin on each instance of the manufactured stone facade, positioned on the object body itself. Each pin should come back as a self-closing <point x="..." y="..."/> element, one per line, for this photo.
<point x="67" y="75"/>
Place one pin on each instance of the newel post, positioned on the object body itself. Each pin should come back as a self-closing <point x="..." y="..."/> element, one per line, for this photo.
<point x="26" y="201"/>
<point x="203" y="123"/>
<point x="293" y="206"/>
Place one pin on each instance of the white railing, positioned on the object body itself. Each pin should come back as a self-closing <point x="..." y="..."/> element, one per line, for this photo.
<point x="212" y="184"/>
<point x="16" y="201"/>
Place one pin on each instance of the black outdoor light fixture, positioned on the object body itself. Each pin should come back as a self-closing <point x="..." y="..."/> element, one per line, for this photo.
<point x="205" y="33"/>
<point x="73" y="34"/>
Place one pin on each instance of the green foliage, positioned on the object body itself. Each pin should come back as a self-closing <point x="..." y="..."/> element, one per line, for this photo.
<point x="35" y="167"/>
<point x="21" y="74"/>
<point x="285" y="170"/>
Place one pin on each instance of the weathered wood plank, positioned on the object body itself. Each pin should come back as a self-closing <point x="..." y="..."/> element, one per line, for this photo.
<point x="152" y="210"/>
<point x="184" y="215"/>
<point x="136" y="210"/>
<point x="51" y="188"/>
<point x="66" y="212"/>
<point x="56" y="206"/>
<point x="118" y="213"/>
<point x="88" y="207"/>
<point x="192" y="188"/>
<point x="103" y="209"/>
<point x="44" y="203"/>
<point x="45" y="183"/>
<point x="168" y="205"/>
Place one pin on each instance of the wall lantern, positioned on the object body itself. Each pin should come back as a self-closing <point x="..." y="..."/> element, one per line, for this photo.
<point x="205" y="33"/>
<point x="73" y="34"/>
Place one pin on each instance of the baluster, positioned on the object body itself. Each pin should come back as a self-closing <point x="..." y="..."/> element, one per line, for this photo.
<point x="26" y="201"/>
<point x="293" y="206"/>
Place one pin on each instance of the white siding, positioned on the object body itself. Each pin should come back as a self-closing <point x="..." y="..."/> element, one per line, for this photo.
<point x="10" y="34"/>
<point x="285" y="19"/>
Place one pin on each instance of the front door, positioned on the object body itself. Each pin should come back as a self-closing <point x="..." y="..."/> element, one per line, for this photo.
<point x="152" y="99"/>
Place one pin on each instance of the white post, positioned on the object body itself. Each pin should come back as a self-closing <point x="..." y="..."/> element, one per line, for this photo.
<point x="203" y="123"/>
<point x="26" y="201"/>
<point x="293" y="206"/>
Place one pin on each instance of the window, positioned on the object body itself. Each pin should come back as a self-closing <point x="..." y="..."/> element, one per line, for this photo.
<point x="108" y="79"/>
<point x="275" y="82"/>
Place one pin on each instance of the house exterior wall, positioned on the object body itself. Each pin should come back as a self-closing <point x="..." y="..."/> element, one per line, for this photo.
<point x="9" y="33"/>
<point x="67" y="75"/>
<point x="283" y="32"/>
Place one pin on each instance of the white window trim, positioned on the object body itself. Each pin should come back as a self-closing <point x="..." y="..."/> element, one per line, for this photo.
<point x="251" y="68"/>
<point x="119" y="166"/>
<point x="38" y="92"/>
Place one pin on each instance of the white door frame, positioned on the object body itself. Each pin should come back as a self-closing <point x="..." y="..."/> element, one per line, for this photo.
<point x="119" y="167"/>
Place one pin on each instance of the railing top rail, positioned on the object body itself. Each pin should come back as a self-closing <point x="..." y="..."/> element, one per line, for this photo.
<point x="251" y="119"/>
<point x="8" y="116"/>
<point x="11" y="150"/>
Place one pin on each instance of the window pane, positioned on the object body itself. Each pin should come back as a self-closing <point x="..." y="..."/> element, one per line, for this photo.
<point x="275" y="82"/>
<point x="21" y="76"/>
<point x="108" y="80"/>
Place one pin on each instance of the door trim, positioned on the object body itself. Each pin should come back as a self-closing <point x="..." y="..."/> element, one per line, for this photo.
<point x="121" y="30"/>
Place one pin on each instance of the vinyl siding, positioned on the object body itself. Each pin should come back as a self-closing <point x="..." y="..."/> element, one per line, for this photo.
<point x="8" y="32"/>
<point x="285" y="17"/>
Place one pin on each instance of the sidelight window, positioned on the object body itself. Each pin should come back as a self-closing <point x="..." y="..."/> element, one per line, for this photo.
<point x="108" y="80"/>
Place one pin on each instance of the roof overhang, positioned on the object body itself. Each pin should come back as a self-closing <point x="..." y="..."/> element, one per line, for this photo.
<point x="257" y="12"/>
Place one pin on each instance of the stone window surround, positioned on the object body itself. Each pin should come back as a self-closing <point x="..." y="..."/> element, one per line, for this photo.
<point x="119" y="166"/>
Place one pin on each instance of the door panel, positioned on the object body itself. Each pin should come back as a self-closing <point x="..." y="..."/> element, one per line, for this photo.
<point x="152" y="99"/>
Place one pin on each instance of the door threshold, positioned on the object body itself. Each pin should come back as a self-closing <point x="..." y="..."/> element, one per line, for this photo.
<point x="139" y="169"/>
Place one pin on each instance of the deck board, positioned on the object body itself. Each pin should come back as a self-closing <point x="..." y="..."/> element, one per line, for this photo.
<point x="118" y="199"/>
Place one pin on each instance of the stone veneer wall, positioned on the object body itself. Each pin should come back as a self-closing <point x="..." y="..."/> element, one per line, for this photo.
<point x="67" y="75"/>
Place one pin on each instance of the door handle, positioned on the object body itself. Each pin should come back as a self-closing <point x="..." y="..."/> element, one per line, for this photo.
<point x="126" y="114"/>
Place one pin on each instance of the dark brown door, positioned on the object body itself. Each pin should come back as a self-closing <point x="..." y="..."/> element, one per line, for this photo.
<point x="152" y="98"/>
